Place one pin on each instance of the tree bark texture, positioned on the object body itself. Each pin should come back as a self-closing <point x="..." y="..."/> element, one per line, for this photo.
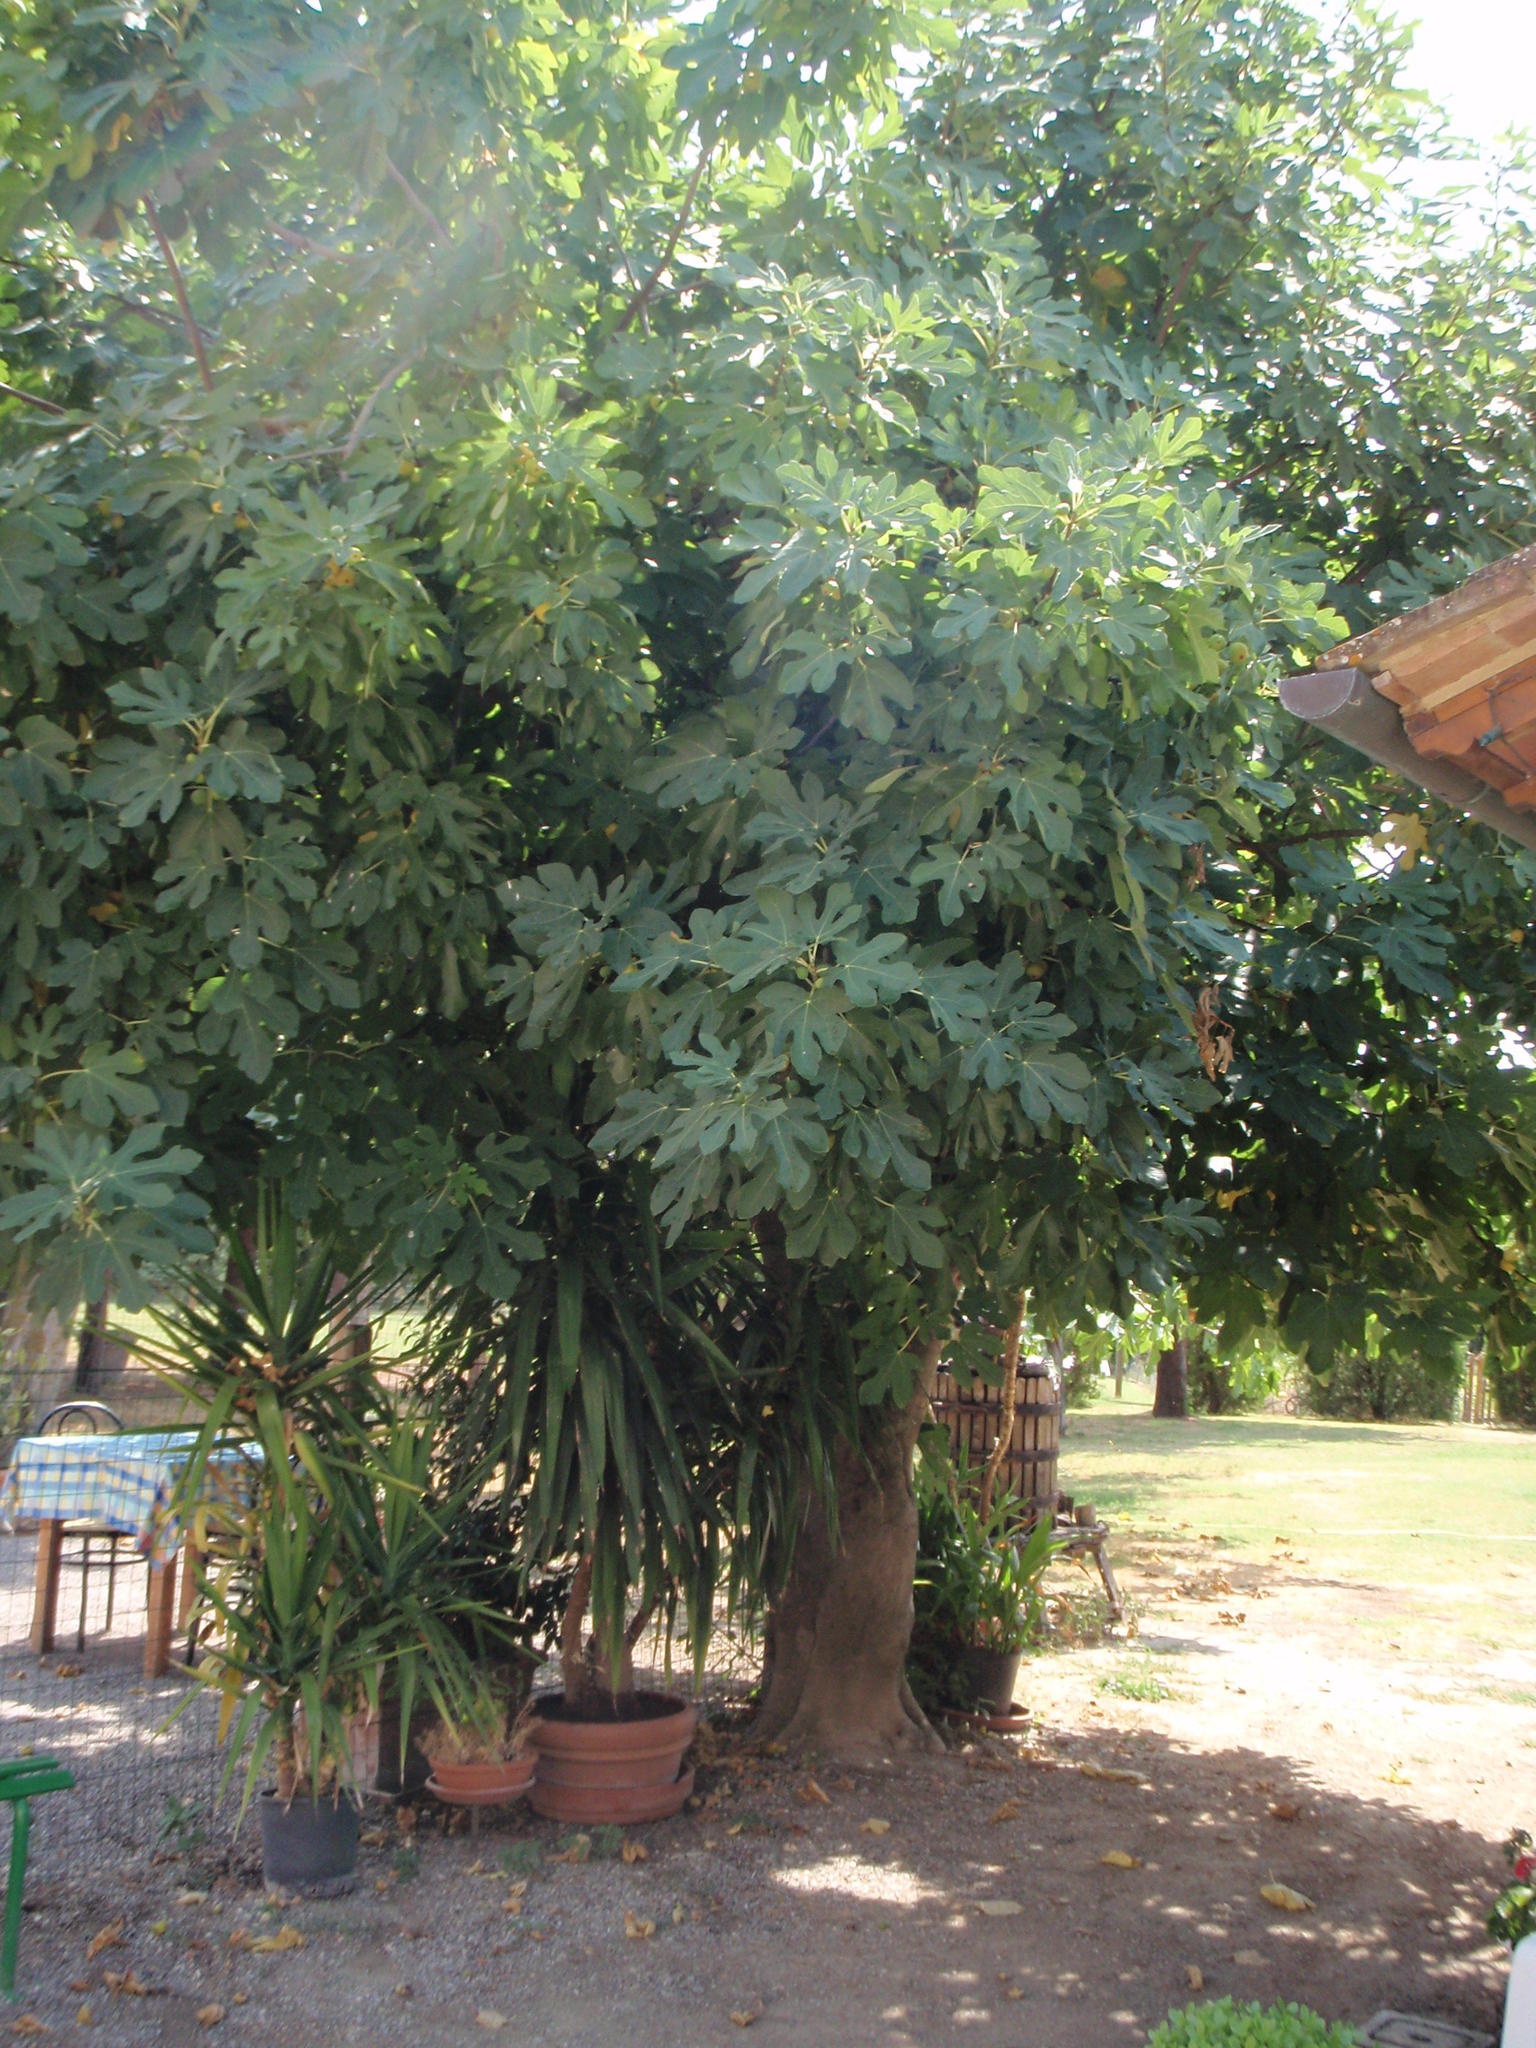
<point x="1172" y="1395"/>
<point x="835" y="1675"/>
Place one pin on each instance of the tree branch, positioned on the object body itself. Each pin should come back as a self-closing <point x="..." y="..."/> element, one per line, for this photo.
<point x="417" y="204"/>
<point x="349" y="446"/>
<point x="1171" y="305"/>
<point x="194" y="332"/>
<point x="642" y="298"/>
<point x="39" y="404"/>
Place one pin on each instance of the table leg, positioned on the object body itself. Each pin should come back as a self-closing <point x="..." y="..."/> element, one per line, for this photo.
<point x="191" y="1561"/>
<point x="45" y="1602"/>
<point x="162" y="1610"/>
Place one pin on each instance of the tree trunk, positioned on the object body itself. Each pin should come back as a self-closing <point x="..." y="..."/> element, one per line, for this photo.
<point x="1172" y="1395"/>
<point x="98" y="1360"/>
<point x="835" y="1676"/>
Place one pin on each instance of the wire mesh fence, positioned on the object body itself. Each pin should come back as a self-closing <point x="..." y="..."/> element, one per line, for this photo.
<point x="144" y="1752"/>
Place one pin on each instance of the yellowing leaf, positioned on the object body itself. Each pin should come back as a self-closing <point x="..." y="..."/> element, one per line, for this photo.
<point x="875" y="1827"/>
<point x="636" y="1929"/>
<point x="277" y="1944"/>
<point x="1287" y="1901"/>
<point x="106" y="1937"/>
<point x="1117" y="1859"/>
<point x="84" y="2017"/>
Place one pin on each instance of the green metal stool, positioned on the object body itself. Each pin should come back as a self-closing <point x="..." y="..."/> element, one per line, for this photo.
<point x="22" y="1779"/>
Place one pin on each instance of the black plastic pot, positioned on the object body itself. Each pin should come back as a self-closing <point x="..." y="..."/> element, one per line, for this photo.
<point x="310" y="1846"/>
<point x="987" y="1677"/>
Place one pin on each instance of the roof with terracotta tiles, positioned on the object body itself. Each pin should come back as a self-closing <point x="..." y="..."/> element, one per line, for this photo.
<point x="1462" y="672"/>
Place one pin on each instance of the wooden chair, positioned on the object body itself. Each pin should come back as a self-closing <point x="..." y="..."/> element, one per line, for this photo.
<point x="89" y="1418"/>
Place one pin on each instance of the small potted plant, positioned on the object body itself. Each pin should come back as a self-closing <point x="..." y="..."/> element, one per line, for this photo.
<point x="483" y="1758"/>
<point x="976" y="1600"/>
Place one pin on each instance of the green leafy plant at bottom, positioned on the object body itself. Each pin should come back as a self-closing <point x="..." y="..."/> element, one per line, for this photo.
<point x="1514" y="1910"/>
<point x="1219" y="2023"/>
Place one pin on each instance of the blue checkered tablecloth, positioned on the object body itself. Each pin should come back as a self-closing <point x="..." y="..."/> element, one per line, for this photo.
<point x="124" y="1481"/>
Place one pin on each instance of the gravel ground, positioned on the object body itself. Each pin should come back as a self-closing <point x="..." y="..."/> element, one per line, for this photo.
<point x="772" y="1905"/>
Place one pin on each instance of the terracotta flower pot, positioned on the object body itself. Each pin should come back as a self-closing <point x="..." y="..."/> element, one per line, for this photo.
<point x="493" y="1784"/>
<point x="618" y="1768"/>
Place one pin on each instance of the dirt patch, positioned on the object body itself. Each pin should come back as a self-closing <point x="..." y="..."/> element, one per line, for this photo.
<point x="1247" y="1733"/>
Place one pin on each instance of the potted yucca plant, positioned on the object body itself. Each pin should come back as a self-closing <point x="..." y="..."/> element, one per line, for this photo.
<point x="327" y="1575"/>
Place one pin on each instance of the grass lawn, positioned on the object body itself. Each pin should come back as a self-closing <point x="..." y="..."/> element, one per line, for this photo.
<point x="1440" y="1516"/>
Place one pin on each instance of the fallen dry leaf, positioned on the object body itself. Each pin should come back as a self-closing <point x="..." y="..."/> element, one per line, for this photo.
<point x="489" y="2018"/>
<point x="28" y="2023"/>
<point x="1117" y="1859"/>
<point x="191" y="1898"/>
<point x="1283" y="1809"/>
<point x="1249" y="1957"/>
<point x="747" y="2016"/>
<point x="107" y="1937"/>
<point x="84" y="2017"/>
<point x="286" y="1937"/>
<point x="1194" y="1976"/>
<point x="812" y="1793"/>
<point x="874" y="1827"/>
<point x="1281" y="1896"/>
<point x="78" y="1984"/>
<point x="240" y="1998"/>
<point x="372" y="1838"/>
<point x="1395" y="1775"/>
<point x="579" y="1851"/>
<point x="636" y="1929"/>
<point x="1009" y="1810"/>
<point x="209" y="2015"/>
<point x="999" y="1909"/>
<point x="1111" y="1772"/>
<point x="635" y="1852"/>
<point x="678" y="1915"/>
<point x="1013" y="1991"/>
<point x="404" y="1991"/>
<point x="68" y="1670"/>
<point x="126" y="1984"/>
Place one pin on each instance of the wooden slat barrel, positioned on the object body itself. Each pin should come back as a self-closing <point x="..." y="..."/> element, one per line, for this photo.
<point x="973" y="1417"/>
